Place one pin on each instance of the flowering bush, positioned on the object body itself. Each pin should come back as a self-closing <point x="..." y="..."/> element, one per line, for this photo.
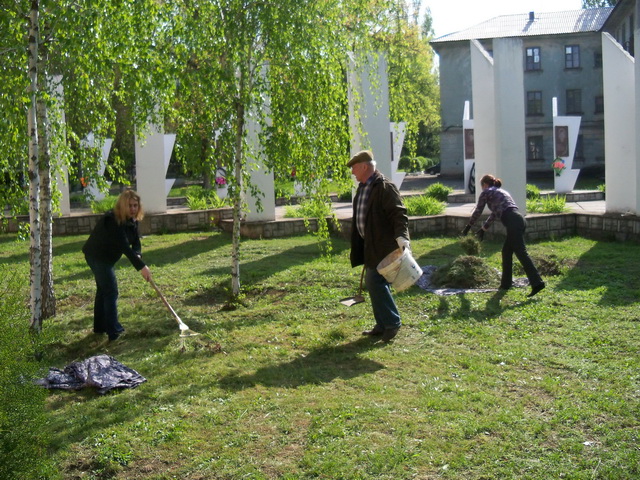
<point x="221" y="181"/>
<point x="558" y="166"/>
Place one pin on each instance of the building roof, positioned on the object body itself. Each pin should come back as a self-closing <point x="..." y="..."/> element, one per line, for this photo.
<point x="521" y="25"/>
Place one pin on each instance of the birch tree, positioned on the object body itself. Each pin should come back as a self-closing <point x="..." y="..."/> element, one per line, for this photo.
<point x="35" y="276"/>
<point x="87" y="42"/>
<point x="283" y="63"/>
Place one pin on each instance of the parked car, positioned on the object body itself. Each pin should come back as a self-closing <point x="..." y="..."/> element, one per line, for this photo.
<point x="433" y="170"/>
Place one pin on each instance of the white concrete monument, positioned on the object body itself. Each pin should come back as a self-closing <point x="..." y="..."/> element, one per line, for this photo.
<point x="468" y="149"/>
<point x="621" y="90"/>
<point x="565" y="138"/>
<point x="261" y="177"/>
<point x="499" y="113"/>
<point x="397" y="130"/>
<point x="153" y="154"/>
<point x="369" y="114"/>
<point x="89" y="141"/>
<point x="62" y="175"/>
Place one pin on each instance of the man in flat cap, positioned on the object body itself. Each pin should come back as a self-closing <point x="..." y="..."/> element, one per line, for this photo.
<point x="380" y="225"/>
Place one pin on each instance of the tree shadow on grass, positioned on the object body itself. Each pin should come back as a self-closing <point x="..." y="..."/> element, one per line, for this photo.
<point x="18" y="258"/>
<point x="607" y="265"/>
<point x="253" y="272"/>
<point x="319" y="366"/>
<point x="201" y="243"/>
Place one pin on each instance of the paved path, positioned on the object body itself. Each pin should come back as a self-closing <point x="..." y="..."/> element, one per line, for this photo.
<point x="413" y="184"/>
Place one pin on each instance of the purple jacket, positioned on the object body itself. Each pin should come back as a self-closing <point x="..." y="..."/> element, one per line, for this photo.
<point x="498" y="200"/>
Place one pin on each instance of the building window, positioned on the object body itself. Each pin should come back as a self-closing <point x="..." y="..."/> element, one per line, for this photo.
<point x="572" y="56"/>
<point x="534" y="103"/>
<point x="534" y="148"/>
<point x="599" y="106"/>
<point x="597" y="59"/>
<point x="533" y="59"/>
<point x="579" y="153"/>
<point x="574" y="101"/>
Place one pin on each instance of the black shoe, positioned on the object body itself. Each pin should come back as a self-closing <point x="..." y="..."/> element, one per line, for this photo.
<point x="113" y="338"/>
<point x="389" y="334"/>
<point x="536" y="288"/>
<point x="375" y="331"/>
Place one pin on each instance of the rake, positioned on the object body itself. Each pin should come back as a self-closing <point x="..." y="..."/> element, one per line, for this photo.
<point x="184" y="330"/>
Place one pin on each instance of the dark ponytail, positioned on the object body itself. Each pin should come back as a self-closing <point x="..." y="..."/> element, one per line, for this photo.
<point x="491" y="181"/>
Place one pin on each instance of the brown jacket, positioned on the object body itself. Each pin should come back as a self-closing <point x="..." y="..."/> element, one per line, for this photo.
<point x="386" y="220"/>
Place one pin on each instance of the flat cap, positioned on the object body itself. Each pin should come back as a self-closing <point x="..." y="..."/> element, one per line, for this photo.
<point x="361" y="157"/>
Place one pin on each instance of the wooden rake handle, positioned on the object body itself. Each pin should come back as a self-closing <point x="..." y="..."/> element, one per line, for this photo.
<point x="164" y="300"/>
<point x="361" y="279"/>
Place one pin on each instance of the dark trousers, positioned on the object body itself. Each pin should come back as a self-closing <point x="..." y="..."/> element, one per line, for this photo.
<point x="514" y="244"/>
<point x="105" y="306"/>
<point x="384" y="307"/>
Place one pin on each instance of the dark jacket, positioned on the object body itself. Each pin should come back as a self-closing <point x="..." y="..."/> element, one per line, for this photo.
<point x="386" y="220"/>
<point x="109" y="241"/>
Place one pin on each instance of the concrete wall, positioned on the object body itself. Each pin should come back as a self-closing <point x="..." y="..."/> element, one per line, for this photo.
<point x="539" y="226"/>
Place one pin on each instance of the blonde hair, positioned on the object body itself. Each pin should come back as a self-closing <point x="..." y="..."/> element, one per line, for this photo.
<point x="121" y="209"/>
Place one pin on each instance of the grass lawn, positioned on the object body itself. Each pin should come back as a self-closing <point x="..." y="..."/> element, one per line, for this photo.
<point x="283" y="386"/>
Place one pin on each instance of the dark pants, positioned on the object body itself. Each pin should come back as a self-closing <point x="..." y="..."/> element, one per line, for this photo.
<point x="384" y="308"/>
<point x="514" y="244"/>
<point x="105" y="306"/>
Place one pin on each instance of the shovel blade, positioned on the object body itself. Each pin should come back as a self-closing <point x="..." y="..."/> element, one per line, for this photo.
<point x="350" y="301"/>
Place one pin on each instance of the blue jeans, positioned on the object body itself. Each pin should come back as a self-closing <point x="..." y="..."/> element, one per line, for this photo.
<point x="105" y="306"/>
<point x="384" y="308"/>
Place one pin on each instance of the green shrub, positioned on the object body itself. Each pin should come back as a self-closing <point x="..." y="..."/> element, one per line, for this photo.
<point x="405" y="163"/>
<point x="411" y="164"/>
<point x="308" y="209"/>
<point x="346" y="196"/>
<point x="438" y="191"/>
<point x="77" y="197"/>
<point x="199" y="198"/>
<point x="104" y="205"/>
<point x="548" y="204"/>
<point x="430" y="162"/>
<point x="22" y="445"/>
<point x="422" y="205"/>
<point x="283" y="188"/>
<point x="602" y="188"/>
<point x="180" y="191"/>
<point x="533" y="192"/>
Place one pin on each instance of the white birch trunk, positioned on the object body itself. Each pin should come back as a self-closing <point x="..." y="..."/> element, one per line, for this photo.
<point x="46" y="211"/>
<point x="237" y="201"/>
<point x="34" y="178"/>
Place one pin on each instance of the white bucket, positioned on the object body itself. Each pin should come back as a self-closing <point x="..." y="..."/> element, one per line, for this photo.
<point x="400" y="269"/>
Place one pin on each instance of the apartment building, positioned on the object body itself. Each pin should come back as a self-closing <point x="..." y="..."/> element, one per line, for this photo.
<point x="561" y="58"/>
